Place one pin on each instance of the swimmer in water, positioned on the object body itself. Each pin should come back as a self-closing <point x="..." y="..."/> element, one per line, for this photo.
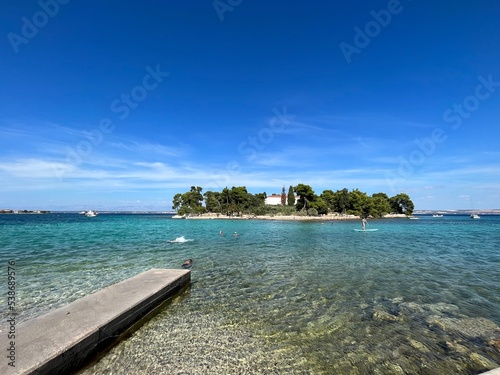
<point x="187" y="264"/>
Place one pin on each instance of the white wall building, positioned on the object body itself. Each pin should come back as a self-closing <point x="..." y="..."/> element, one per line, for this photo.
<point x="275" y="199"/>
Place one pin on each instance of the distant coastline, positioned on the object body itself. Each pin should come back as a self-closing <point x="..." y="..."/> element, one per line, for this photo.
<point x="32" y="212"/>
<point x="491" y="211"/>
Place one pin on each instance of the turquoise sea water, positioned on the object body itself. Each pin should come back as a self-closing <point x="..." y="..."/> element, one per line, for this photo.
<point x="284" y="297"/>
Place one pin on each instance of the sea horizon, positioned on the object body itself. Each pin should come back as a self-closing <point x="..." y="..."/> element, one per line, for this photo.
<point x="458" y="211"/>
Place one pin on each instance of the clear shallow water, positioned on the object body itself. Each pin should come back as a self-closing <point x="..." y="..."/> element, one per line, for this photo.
<point x="415" y="297"/>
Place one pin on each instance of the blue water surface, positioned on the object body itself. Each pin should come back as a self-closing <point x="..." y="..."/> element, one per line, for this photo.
<point x="415" y="297"/>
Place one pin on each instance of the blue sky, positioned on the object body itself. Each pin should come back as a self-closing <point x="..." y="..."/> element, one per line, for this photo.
<point x="121" y="105"/>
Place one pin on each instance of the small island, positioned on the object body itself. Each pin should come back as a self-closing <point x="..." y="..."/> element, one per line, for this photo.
<point x="300" y="203"/>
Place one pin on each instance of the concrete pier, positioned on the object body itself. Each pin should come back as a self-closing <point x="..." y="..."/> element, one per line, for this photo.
<point x="62" y="340"/>
<point x="492" y="372"/>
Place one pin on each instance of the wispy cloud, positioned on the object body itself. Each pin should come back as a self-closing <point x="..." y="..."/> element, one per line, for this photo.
<point x="137" y="146"/>
<point x="326" y="152"/>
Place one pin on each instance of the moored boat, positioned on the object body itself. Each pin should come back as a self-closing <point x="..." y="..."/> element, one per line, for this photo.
<point x="90" y="213"/>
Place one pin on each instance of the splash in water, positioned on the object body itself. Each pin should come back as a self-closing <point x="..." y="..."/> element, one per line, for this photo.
<point x="180" y="239"/>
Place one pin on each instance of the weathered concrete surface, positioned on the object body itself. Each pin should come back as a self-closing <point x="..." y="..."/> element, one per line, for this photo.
<point x="59" y="341"/>
<point x="492" y="372"/>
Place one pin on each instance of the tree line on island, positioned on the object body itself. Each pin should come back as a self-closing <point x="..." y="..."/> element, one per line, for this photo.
<point x="238" y="201"/>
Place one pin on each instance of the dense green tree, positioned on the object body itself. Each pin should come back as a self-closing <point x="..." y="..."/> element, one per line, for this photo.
<point x="381" y="195"/>
<point x="341" y="201"/>
<point x="236" y="200"/>
<point x="213" y="201"/>
<point x="291" y="196"/>
<point x="329" y="197"/>
<point x="309" y="200"/>
<point x="380" y="204"/>
<point x="402" y="204"/>
<point x="319" y="205"/>
<point x="189" y="202"/>
<point x="239" y="199"/>
<point x="177" y="201"/>
<point x="225" y="199"/>
<point x="194" y="197"/>
<point x="306" y="195"/>
<point x="257" y="202"/>
<point x="359" y="203"/>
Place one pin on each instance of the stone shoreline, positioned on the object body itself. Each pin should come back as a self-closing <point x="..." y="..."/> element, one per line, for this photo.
<point x="281" y="217"/>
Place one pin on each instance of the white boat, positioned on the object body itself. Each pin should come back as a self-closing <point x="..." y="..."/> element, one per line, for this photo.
<point x="82" y="213"/>
<point x="91" y="213"/>
<point x="414" y="218"/>
<point x="437" y="215"/>
<point x="473" y="215"/>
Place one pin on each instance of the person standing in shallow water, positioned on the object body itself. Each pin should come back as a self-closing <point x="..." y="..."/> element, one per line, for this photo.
<point x="363" y="223"/>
